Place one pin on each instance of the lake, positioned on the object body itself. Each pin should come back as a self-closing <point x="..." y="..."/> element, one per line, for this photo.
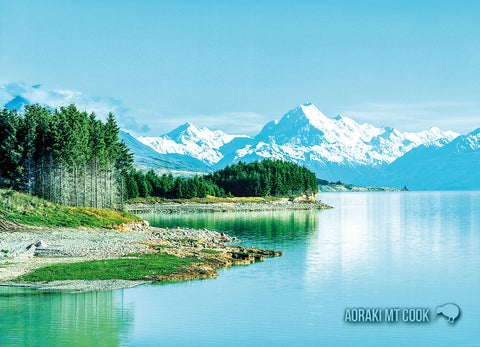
<point x="373" y="250"/>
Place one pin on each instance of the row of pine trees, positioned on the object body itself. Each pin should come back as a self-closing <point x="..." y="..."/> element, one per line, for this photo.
<point x="138" y="184"/>
<point x="65" y="156"/>
<point x="265" y="178"/>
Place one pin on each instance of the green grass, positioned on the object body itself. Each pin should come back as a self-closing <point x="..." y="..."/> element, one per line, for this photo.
<point x="30" y="210"/>
<point x="210" y="251"/>
<point x="141" y="267"/>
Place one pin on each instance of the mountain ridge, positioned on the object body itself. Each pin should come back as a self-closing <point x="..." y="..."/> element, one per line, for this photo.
<point x="336" y="148"/>
<point x="454" y="166"/>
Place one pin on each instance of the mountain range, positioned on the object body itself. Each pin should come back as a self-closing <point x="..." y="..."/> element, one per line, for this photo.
<point x="337" y="148"/>
<point x="437" y="166"/>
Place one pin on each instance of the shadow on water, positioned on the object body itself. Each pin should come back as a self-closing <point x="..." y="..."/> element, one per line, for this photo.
<point x="33" y="318"/>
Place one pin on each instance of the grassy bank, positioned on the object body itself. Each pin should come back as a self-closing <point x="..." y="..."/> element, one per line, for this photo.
<point x="133" y="267"/>
<point x="30" y="210"/>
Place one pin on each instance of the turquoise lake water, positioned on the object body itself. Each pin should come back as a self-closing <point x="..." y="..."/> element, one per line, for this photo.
<point x="373" y="250"/>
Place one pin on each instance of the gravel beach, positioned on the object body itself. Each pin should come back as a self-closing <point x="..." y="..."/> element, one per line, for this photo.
<point x="24" y="250"/>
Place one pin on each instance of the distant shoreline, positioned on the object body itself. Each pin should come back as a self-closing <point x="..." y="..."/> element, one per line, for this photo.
<point x="193" y="207"/>
<point x="354" y="188"/>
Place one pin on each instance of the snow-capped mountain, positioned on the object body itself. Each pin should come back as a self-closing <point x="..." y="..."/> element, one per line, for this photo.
<point x="442" y="166"/>
<point x="146" y="158"/>
<point x="200" y="143"/>
<point x="335" y="148"/>
<point x="306" y="134"/>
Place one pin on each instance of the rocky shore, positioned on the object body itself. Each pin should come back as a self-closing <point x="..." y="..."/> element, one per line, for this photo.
<point x="25" y="249"/>
<point x="283" y="204"/>
<point x="353" y="188"/>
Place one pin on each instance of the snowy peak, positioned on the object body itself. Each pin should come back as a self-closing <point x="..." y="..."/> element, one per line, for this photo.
<point x="190" y="133"/>
<point x="335" y="148"/>
<point x="303" y="124"/>
<point x="187" y="139"/>
<point x="306" y="124"/>
<point x="314" y="116"/>
<point x="439" y="165"/>
<point x="467" y="143"/>
<point x="306" y="134"/>
<point x="430" y="135"/>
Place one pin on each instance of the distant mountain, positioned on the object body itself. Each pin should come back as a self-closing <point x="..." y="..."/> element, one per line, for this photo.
<point x="200" y="143"/>
<point x="146" y="158"/>
<point x="17" y="103"/>
<point x="335" y="148"/>
<point x="437" y="166"/>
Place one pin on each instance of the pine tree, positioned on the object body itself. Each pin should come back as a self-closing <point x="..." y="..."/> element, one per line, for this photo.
<point x="11" y="169"/>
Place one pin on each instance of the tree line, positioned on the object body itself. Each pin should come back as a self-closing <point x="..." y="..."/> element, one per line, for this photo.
<point x="265" y="178"/>
<point x="138" y="184"/>
<point x="268" y="177"/>
<point x="65" y="156"/>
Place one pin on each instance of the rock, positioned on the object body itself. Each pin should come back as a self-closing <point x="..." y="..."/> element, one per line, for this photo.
<point x="133" y="226"/>
<point x="41" y="244"/>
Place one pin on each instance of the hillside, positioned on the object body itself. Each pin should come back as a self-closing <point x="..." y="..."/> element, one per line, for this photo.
<point x="16" y="207"/>
<point x="145" y="158"/>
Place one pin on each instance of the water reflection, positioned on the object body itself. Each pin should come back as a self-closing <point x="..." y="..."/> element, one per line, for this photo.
<point x="33" y="318"/>
<point x="272" y="228"/>
<point x="371" y="242"/>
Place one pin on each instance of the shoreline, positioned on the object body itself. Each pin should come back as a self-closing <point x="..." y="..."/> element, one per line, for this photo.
<point x="196" y="207"/>
<point x="24" y="250"/>
<point x="352" y="188"/>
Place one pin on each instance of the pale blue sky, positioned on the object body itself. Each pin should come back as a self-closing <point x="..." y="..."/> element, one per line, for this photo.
<point x="234" y="65"/>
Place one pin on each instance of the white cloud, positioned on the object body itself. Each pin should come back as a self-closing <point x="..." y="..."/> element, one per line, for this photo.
<point x="55" y="98"/>
<point x="138" y="121"/>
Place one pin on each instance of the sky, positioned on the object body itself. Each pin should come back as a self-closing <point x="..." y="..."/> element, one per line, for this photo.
<point x="235" y="65"/>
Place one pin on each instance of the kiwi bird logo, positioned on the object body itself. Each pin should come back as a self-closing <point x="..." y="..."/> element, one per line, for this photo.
<point x="450" y="311"/>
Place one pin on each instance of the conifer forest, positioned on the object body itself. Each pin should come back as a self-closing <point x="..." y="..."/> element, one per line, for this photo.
<point x="65" y="156"/>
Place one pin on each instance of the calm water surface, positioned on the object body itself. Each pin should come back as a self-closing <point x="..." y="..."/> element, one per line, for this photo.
<point x="407" y="249"/>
